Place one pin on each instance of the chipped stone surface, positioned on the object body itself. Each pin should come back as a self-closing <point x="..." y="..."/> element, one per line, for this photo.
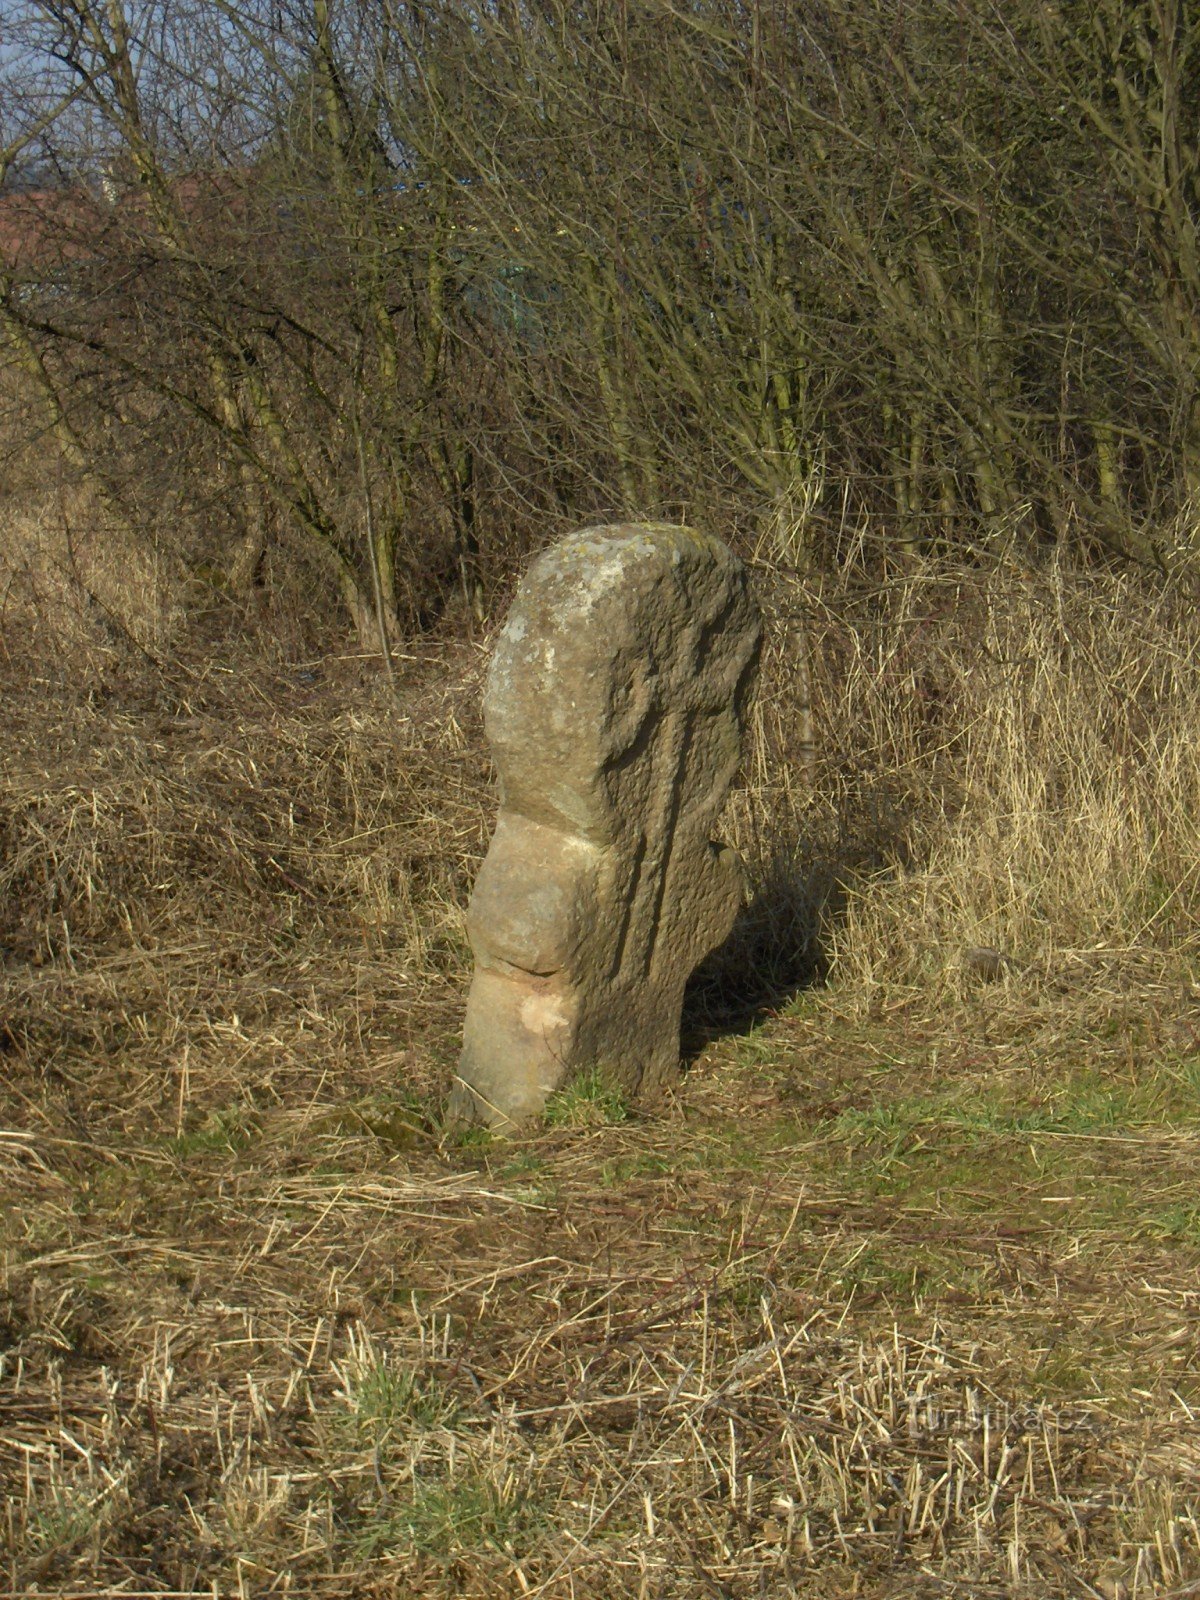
<point x="614" y="706"/>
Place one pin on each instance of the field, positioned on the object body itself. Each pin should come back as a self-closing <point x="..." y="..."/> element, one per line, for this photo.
<point x="898" y="1296"/>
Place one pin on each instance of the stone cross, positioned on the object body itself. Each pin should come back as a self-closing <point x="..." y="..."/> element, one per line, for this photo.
<point x="614" y="707"/>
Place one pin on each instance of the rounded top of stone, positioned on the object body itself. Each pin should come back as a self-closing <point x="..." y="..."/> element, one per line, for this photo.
<point x="649" y="534"/>
<point x="621" y="540"/>
<point x="600" y="563"/>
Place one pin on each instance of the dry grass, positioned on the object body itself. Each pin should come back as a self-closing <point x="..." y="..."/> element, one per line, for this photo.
<point x="1006" y="760"/>
<point x="75" y="580"/>
<point x="898" y="1298"/>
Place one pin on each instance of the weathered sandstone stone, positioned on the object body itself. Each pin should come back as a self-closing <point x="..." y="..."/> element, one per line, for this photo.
<point x="614" y="708"/>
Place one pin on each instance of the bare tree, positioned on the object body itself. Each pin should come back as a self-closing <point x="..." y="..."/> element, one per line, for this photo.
<point x="410" y="281"/>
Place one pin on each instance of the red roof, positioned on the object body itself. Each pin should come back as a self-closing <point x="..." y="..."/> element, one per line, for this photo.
<point x="41" y="229"/>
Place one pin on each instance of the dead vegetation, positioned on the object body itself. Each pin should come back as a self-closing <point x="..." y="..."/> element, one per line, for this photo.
<point x="897" y="1297"/>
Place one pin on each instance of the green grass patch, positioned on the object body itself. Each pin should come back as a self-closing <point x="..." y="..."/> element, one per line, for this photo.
<point x="1179" y="1223"/>
<point x="231" y="1128"/>
<point x="390" y="1401"/>
<point x="401" y="1122"/>
<point x="472" y="1137"/>
<point x="1085" y="1103"/>
<point x="471" y="1511"/>
<point x="642" y="1164"/>
<point x="588" y="1101"/>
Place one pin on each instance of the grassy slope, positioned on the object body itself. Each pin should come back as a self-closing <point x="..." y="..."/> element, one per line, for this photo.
<point x="898" y="1297"/>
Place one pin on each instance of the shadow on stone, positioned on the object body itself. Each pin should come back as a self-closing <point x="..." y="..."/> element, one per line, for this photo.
<point x="780" y="943"/>
<point x="776" y="949"/>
